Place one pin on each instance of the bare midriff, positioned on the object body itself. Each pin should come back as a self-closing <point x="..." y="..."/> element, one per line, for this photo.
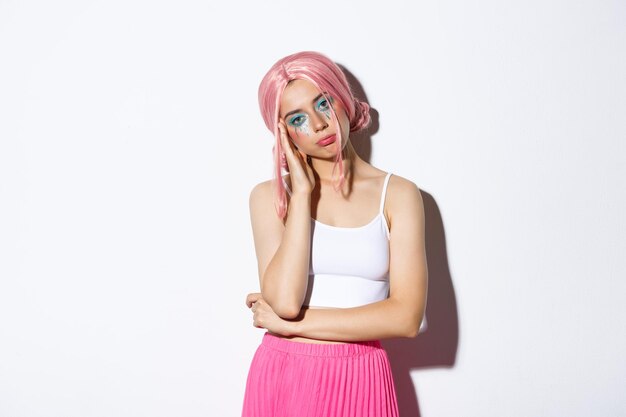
<point x="309" y="340"/>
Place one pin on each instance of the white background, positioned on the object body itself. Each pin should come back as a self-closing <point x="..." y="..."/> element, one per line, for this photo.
<point x="130" y="138"/>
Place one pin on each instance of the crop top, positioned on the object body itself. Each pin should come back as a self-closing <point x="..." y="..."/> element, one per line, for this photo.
<point x="349" y="266"/>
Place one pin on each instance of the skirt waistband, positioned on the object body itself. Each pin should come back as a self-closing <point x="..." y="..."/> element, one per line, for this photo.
<point x="320" y="349"/>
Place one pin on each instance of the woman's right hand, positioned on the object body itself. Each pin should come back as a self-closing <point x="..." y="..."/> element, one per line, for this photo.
<point x="300" y="171"/>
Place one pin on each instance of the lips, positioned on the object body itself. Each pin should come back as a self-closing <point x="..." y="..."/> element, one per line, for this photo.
<point x="327" y="140"/>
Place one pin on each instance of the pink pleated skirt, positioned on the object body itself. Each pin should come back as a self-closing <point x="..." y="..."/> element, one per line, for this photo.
<point x="298" y="379"/>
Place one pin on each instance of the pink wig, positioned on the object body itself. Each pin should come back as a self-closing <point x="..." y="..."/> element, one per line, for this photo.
<point x="328" y="78"/>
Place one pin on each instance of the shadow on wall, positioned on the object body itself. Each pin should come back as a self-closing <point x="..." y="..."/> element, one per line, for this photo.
<point x="436" y="346"/>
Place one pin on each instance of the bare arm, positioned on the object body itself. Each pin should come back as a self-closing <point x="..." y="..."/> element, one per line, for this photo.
<point x="401" y="314"/>
<point x="283" y="251"/>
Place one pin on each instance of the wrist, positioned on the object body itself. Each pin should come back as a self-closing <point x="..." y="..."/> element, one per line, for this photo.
<point x="291" y="328"/>
<point x="301" y="195"/>
<point x="299" y="205"/>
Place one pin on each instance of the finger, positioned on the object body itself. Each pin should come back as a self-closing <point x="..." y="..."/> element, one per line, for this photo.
<point x="288" y="146"/>
<point x="284" y="143"/>
<point x="295" y="154"/>
<point x="292" y="146"/>
<point x="252" y="297"/>
<point x="288" y="150"/>
<point x="283" y="133"/>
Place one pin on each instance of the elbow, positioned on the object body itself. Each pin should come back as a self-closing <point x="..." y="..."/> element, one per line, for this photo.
<point x="410" y="333"/>
<point x="287" y="311"/>
<point x="409" y="320"/>
<point x="413" y="329"/>
<point x="283" y="308"/>
<point x="283" y="303"/>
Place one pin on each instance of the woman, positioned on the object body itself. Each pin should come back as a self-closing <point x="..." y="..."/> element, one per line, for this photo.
<point x="340" y="249"/>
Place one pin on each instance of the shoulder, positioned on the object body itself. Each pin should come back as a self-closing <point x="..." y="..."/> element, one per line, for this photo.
<point x="262" y="202"/>
<point x="263" y="191"/>
<point x="261" y="194"/>
<point x="400" y="188"/>
<point x="404" y="198"/>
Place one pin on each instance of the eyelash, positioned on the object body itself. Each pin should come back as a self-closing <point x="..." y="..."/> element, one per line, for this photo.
<point x="293" y="120"/>
<point x="294" y="123"/>
<point x="328" y="102"/>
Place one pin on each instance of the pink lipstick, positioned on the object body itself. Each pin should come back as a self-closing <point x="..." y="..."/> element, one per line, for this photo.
<point x="327" y="140"/>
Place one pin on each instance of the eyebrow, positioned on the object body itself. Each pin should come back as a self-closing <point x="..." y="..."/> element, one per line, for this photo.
<point x="298" y="110"/>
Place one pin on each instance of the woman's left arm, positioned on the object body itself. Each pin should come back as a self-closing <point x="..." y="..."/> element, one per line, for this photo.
<point x="401" y="314"/>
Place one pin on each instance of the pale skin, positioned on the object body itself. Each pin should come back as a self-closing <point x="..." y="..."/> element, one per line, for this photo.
<point x="283" y="247"/>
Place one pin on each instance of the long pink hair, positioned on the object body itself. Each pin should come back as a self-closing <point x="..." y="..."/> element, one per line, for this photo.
<point x="328" y="78"/>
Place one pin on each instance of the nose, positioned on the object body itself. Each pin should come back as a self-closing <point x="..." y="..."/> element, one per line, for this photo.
<point x="319" y="123"/>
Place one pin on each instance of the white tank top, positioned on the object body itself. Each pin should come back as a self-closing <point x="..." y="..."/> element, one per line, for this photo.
<point x="349" y="266"/>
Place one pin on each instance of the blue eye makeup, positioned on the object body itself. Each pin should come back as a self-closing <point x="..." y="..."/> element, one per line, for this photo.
<point x="300" y="121"/>
<point x="324" y="105"/>
<point x="297" y="120"/>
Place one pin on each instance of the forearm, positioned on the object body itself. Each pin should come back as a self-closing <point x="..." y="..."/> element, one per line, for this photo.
<point x="380" y="320"/>
<point x="285" y="280"/>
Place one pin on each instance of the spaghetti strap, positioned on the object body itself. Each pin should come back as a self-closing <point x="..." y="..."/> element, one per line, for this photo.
<point x="382" y="197"/>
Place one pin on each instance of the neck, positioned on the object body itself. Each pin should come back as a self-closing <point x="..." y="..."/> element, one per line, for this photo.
<point x="323" y="168"/>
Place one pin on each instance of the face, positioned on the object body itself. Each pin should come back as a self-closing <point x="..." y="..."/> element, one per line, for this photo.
<point x="307" y="116"/>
